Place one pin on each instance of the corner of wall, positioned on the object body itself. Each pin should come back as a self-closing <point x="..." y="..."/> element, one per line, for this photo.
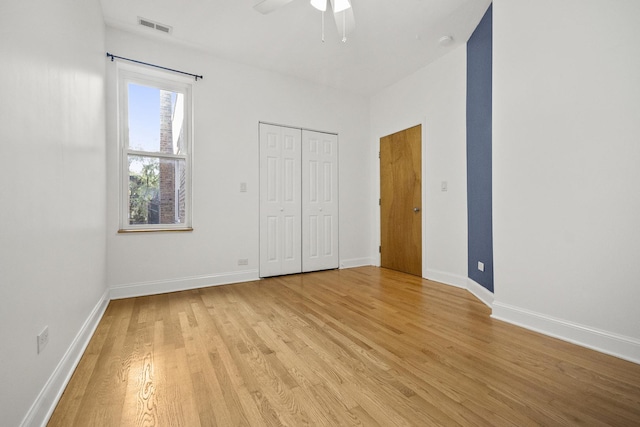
<point x="48" y="398"/>
<point x="479" y="153"/>
<point x="480" y="292"/>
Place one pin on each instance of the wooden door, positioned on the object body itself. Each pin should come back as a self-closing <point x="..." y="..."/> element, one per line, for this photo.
<point x="319" y="201"/>
<point x="280" y="200"/>
<point x="401" y="201"/>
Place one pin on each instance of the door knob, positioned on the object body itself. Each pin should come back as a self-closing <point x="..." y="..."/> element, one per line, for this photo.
<point x="416" y="209"/>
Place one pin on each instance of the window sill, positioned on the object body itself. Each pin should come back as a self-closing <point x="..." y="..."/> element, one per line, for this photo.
<point x="153" y="230"/>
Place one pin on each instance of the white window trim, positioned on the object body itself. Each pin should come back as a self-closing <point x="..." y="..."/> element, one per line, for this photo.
<point x="128" y="73"/>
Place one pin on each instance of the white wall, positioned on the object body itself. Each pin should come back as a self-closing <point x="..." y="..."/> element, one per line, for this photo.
<point x="566" y="150"/>
<point x="52" y="221"/>
<point x="228" y="104"/>
<point x="435" y="97"/>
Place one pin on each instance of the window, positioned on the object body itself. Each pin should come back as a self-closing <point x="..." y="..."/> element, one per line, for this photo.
<point x="155" y="146"/>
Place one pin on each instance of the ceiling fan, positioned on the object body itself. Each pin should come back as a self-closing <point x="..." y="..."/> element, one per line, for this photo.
<point x="342" y="12"/>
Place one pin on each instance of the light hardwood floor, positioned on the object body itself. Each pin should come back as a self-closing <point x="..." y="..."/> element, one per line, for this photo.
<point x="363" y="346"/>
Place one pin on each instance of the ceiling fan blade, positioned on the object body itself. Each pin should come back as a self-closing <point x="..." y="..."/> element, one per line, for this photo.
<point x="268" y="6"/>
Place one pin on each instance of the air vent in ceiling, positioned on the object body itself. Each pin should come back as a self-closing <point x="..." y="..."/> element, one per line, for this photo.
<point x="155" y="25"/>
<point x="163" y="28"/>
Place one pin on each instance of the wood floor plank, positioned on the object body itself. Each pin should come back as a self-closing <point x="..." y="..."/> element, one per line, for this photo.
<point x="358" y="347"/>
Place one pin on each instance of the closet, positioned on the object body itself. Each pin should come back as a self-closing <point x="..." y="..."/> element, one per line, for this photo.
<point x="298" y="200"/>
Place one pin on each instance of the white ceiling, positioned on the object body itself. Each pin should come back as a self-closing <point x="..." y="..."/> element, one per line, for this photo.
<point x="391" y="39"/>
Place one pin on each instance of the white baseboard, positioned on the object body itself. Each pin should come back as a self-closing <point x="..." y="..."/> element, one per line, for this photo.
<point x="356" y="262"/>
<point x="620" y="346"/>
<point x="480" y="292"/>
<point x="181" y="284"/>
<point x="446" y="278"/>
<point x="45" y="403"/>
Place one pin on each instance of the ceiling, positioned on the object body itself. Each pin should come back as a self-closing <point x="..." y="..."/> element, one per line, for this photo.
<point x="391" y="39"/>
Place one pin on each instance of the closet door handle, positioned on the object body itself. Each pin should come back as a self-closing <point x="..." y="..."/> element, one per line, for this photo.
<point x="416" y="210"/>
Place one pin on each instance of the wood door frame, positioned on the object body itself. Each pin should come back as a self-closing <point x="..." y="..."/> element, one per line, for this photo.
<point x="423" y="151"/>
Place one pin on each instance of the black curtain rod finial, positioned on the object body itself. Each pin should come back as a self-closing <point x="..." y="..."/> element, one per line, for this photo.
<point x="112" y="56"/>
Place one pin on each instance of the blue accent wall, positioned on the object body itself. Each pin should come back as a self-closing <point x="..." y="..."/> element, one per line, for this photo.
<point x="479" y="72"/>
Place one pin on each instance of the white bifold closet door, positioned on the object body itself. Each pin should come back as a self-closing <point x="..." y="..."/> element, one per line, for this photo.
<point x="298" y="200"/>
<point x="280" y="200"/>
<point x="319" y="201"/>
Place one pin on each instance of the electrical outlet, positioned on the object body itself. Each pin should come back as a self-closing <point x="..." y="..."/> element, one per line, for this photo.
<point x="43" y="339"/>
<point x="480" y="266"/>
<point x="243" y="261"/>
<point x="444" y="186"/>
<point x="243" y="187"/>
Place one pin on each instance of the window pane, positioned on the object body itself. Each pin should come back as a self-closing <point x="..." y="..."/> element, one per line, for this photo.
<point x="157" y="190"/>
<point x="156" y="119"/>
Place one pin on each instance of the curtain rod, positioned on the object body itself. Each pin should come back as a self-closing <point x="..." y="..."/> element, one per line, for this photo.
<point x="153" y="65"/>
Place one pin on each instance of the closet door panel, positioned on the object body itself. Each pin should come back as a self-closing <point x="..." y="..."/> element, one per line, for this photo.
<point x="280" y="200"/>
<point x="319" y="201"/>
